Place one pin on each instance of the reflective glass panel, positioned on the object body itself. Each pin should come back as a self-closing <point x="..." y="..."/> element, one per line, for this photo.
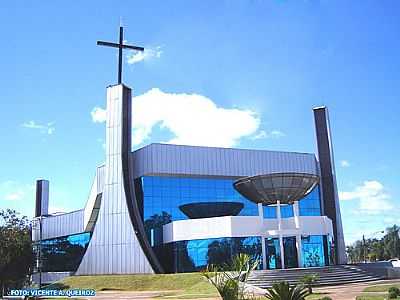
<point x="313" y="251"/>
<point x="63" y="254"/>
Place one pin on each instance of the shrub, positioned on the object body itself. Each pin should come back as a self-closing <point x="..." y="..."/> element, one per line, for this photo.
<point x="394" y="290"/>
<point x="283" y="291"/>
<point x="309" y="280"/>
<point x="392" y="295"/>
<point x="230" y="280"/>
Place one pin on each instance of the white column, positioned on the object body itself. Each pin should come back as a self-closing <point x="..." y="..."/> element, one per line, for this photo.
<point x="264" y="252"/>
<point x="260" y="211"/>
<point x="278" y="214"/>
<point x="296" y="214"/>
<point x="299" y="253"/>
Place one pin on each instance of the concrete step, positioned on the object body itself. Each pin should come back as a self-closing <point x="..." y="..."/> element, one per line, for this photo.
<point x="332" y="275"/>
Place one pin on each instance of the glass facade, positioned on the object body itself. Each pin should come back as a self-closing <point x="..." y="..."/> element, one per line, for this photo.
<point x="161" y="197"/>
<point x="63" y="254"/>
<point x="195" y="255"/>
<point x="314" y="251"/>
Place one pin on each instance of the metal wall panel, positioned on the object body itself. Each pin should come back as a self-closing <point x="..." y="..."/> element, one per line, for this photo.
<point x="59" y="225"/>
<point x="113" y="237"/>
<point x="168" y="159"/>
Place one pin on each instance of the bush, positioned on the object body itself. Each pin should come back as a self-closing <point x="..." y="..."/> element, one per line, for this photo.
<point x="309" y="280"/>
<point x="230" y="280"/>
<point x="394" y="290"/>
<point x="392" y="295"/>
<point x="283" y="291"/>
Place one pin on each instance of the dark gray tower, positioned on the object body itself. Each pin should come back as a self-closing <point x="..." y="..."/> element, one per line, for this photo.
<point x="328" y="180"/>
<point x="42" y="198"/>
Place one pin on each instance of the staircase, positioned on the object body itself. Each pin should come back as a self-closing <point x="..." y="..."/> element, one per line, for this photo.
<point x="332" y="275"/>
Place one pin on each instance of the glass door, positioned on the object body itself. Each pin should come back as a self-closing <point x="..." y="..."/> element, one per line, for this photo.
<point x="273" y="253"/>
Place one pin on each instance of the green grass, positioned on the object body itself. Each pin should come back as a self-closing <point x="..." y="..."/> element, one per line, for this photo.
<point x="381" y="287"/>
<point x="372" y="297"/>
<point x="317" y="296"/>
<point x="183" y="285"/>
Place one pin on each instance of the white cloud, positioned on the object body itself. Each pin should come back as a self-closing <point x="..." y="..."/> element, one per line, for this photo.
<point x="14" y="191"/>
<point x="98" y="114"/>
<point x="18" y="195"/>
<point x="262" y="134"/>
<point x="43" y="128"/>
<point x="134" y="57"/>
<point x="193" y="119"/>
<point x="344" y="163"/>
<point x="371" y="195"/>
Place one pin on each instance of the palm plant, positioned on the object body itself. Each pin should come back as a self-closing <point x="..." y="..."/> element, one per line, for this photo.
<point x="309" y="280"/>
<point x="283" y="291"/>
<point x="230" y="279"/>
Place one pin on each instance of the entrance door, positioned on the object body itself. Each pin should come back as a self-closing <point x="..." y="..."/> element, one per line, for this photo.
<point x="290" y="251"/>
<point x="273" y="253"/>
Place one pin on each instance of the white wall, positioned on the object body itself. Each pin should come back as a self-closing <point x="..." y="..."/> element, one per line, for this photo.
<point x="242" y="226"/>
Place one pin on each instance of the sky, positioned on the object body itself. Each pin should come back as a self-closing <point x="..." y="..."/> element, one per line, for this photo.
<point x="240" y="74"/>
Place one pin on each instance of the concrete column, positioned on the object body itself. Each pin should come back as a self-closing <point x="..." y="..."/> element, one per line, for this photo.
<point x="260" y="211"/>
<point x="299" y="253"/>
<point x="264" y="252"/>
<point x="296" y="214"/>
<point x="278" y="214"/>
<point x="282" y="251"/>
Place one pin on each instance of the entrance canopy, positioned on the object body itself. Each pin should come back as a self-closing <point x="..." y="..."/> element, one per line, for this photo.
<point x="270" y="188"/>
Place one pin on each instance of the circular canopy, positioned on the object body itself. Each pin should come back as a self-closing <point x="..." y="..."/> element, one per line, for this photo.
<point x="200" y="210"/>
<point x="270" y="188"/>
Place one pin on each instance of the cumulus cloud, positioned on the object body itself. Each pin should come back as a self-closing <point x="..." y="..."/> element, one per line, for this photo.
<point x="371" y="195"/>
<point x="134" y="57"/>
<point x="193" y="119"/>
<point x="262" y="134"/>
<point x="344" y="163"/>
<point x="98" y="115"/>
<point x="47" y="128"/>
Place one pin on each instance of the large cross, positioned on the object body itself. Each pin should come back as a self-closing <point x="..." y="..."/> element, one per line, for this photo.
<point x="120" y="46"/>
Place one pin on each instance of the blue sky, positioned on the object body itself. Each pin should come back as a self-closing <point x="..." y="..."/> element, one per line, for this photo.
<point x="257" y="67"/>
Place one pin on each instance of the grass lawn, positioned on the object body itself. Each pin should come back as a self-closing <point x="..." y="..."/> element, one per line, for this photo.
<point x="184" y="285"/>
<point x="317" y="296"/>
<point x="372" y="297"/>
<point x="381" y="287"/>
<point x="380" y="290"/>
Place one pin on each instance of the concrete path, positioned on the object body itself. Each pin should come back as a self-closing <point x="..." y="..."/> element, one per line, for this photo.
<point x="350" y="291"/>
<point x="341" y="292"/>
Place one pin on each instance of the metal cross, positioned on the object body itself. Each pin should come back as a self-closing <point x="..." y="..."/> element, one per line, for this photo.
<point x="120" y="46"/>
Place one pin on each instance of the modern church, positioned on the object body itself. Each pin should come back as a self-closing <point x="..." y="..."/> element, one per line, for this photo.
<point x="171" y="208"/>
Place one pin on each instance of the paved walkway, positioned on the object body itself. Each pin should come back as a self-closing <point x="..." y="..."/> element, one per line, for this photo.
<point x="350" y="291"/>
<point x="341" y="292"/>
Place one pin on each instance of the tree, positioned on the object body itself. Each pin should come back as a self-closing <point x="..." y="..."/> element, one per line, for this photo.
<point x="16" y="255"/>
<point x="376" y="249"/>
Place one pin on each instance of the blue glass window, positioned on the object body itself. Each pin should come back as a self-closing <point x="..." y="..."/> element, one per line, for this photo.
<point x="63" y="254"/>
<point x="313" y="254"/>
<point x="166" y="194"/>
<point x="195" y="255"/>
<point x="311" y="204"/>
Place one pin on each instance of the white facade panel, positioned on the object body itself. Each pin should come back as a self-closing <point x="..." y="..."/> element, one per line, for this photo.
<point x="244" y="226"/>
